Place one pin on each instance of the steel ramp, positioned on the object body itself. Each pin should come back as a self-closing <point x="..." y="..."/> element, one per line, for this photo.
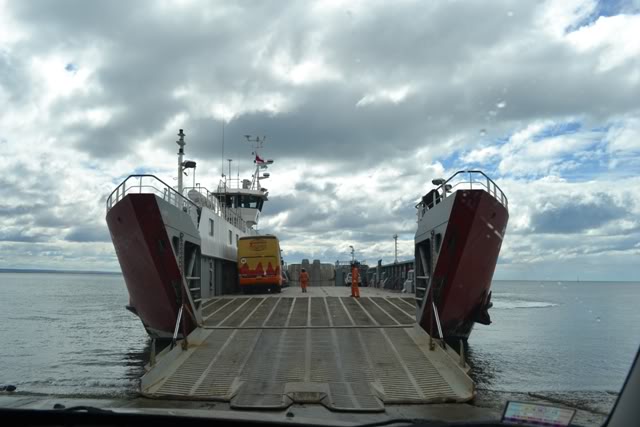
<point x="348" y="355"/>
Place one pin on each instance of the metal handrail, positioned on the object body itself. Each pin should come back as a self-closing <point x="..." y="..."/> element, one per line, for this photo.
<point x="167" y="192"/>
<point x="229" y="214"/>
<point x="445" y="189"/>
<point x="177" y="328"/>
<point x="437" y="317"/>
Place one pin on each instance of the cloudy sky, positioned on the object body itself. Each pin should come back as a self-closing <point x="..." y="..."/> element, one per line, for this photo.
<point x="362" y="102"/>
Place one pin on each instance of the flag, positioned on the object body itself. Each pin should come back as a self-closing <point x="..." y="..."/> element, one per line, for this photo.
<point x="259" y="160"/>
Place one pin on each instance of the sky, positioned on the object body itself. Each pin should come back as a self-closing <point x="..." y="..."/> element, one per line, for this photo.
<point x="363" y="103"/>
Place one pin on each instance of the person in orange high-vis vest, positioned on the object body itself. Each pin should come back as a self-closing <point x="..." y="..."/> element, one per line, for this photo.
<point x="304" y="280"/>
<point x="355" y="275"/>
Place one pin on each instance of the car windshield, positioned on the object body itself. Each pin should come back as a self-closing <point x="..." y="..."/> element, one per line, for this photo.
<point x="450" y="190"/>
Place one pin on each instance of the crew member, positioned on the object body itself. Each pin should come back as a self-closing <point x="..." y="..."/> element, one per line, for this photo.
<point x="355" y="275"/>
<point x="304" y="280"/>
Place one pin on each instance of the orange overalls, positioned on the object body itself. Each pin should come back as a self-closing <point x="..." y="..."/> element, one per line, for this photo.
<point x="355" y="290"/>
<point x="304" y="281"/>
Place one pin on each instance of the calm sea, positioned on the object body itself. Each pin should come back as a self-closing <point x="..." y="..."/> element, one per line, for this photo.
<point x="69" y="334"/>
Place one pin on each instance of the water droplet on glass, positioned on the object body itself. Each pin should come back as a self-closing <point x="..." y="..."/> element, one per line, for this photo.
<point x="510" y="14"/>
<point x="598" y="319"/>
<point x="483" y="132"/>
<point x="493" y="113"/>
<point x="501" y="104"/>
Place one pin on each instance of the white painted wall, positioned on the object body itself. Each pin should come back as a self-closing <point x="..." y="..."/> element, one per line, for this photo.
<point x="217" y="245"/>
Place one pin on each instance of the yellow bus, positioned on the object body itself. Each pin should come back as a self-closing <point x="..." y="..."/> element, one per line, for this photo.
<point x="259" y="264"/>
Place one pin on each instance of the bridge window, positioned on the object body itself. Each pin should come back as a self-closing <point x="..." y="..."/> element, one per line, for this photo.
<point x="438" y="242"/>
<point x="250" y="202"/>
<point x="229" y="201"/>
<point x="230" y="237"/>
<point x="211" y="224"/>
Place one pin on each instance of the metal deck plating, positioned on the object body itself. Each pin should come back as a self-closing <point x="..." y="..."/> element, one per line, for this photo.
<point x="323" y="347"/>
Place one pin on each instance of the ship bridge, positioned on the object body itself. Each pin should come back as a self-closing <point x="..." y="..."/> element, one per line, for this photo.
<point x="246" y="202"/>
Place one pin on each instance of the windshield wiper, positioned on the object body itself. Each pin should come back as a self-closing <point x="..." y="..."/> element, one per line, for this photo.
<point x="81" y="408"/>
<point x="430" y="423"/>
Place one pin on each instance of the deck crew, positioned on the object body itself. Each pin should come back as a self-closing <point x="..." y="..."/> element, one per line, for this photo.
<point x="304" y="280"/>
<point x="355" y="276"/>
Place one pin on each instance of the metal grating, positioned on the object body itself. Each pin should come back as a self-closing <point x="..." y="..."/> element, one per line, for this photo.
<point x="319" y="314"/>
<point x="379" y="315"/>
<point x="281" y="313"/>
<point x="351" y="355"/>
<point x="224" y="311"/>
<point x="356" y="312"/>
<point x="338" y="315"/>
<point x="227" y="366"/>
<point x="262" y="313"/>
<point x="398" y="313"/>
<point x="299" y="314"/>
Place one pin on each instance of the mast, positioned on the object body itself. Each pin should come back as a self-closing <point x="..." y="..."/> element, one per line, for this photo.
<point x="180" y="143"/>
<point x="261" y="164"/>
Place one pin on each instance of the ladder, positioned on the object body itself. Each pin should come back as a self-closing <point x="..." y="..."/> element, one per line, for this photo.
<point x="189" y="281"/>
<point x="423" y="278"/>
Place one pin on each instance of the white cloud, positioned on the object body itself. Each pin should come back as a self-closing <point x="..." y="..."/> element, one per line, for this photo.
<point x="615" y="38"/>
<point x="624" y="137"/>
<point x="10" y="30"/>
<point x="393" y="96"/>
<point x="556" y="17"/>
<point x="363" y="104"/>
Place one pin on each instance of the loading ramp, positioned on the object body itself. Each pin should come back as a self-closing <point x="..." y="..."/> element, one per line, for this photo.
<point x="269" y="351"/>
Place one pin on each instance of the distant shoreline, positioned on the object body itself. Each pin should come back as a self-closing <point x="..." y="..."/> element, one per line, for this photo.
<point x="29" y="270"/>
<point x="117" y="273"/>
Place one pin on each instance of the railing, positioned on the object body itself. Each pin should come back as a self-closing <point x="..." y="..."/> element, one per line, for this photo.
<point x="177" y="328"/>
<point x="229" y="214"/>
<point x="463" y="180"/>
<point x="150" y="184"/>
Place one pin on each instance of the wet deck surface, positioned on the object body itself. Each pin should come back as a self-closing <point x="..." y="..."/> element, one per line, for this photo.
<point x="270" y="351"/>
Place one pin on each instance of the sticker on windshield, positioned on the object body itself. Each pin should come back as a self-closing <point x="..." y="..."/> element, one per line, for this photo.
<point x="532" y="414"/>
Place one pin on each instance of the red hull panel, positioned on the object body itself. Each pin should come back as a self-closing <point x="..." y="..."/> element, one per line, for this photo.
<point x="467" y="260"/>
<point x="148" y="263"/>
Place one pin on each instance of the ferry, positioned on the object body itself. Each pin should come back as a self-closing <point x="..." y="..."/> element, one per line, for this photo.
<point x="177" y="246"/>
<point x="461" y="226"/>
